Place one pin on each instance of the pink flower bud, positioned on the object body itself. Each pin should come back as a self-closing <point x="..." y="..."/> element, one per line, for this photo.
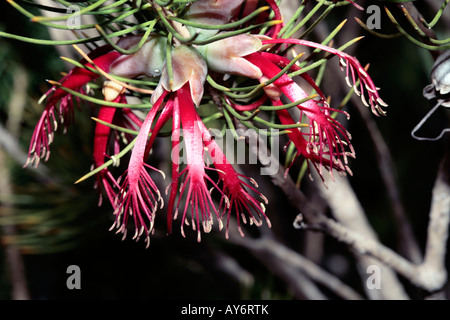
<point x="187" y="66"/>
<point x="226" y="55"/>
<point x="146" y="61"/>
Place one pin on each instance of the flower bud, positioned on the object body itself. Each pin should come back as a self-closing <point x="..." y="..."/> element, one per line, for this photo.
<point x="225" y="55"/>
<point x="187" y="65"/>
<point x="111" y="90"/>
<point x="146" y="61"/>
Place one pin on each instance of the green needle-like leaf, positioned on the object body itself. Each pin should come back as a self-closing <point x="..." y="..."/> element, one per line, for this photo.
<point x="99" y="101"/>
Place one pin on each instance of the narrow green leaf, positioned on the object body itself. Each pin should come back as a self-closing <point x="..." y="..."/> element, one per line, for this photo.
<point x="109" y="162"/>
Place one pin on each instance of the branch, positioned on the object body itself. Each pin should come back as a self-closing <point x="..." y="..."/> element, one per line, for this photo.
<point x="407" y="240"/>
<point x="288" y="262"/>
<point x="351" y="214"/>
<point x="431" y="274"/>
<point x="434" y="263"/>
<point x="419" y="275"/>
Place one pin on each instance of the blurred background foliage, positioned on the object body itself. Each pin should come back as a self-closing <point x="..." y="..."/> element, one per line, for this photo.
<point x="57" y="223"/>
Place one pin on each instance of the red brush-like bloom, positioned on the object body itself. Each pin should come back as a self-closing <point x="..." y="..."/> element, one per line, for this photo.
<point x="52" y="115"/>
<point x="326" y="136"/>
<point x="327" y="142"/>
<point x="354" y="71"/>
<point x="104" y="137"/>
<point x="139" y="195"/>
<point x="105" y="180"/>
<point x="235" y="198"/>
<point x="181" y="68"/>
<point x="193" y="180"/>
<point x="194" y="177"/>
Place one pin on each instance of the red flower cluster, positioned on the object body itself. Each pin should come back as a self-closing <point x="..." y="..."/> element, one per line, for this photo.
<point x="182" y="74"/>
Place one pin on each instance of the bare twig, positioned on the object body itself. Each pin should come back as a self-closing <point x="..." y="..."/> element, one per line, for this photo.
<point x="316" y="220"/>
<point x="407" y="240"/>
<point x="351" y="214"/>
<point x="233" y="269"/>
<point x="431" y="275"/>
<point x="433" y="265"/>
<point x="11" y="147"/>
<point x="288" y="263"/>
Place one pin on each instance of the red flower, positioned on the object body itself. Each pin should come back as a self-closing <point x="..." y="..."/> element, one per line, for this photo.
<point x="53" y="116"/>
<point x="327" y="139"/>
<point x="182" y="71"/>
<point x="327" y="142"/>
<point x="139" y="194"/>
<point x="235" y="195"/>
